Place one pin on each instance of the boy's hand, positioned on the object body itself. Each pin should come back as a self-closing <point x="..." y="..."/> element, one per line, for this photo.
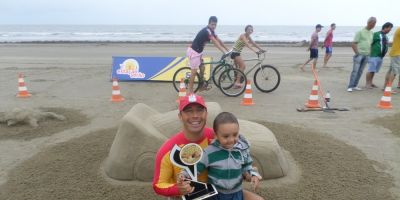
<point x="183" y="184"/>
<point x="255" y="182"/>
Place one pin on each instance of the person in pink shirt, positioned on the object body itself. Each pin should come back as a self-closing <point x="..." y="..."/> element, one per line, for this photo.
<point x="328" y="44"/>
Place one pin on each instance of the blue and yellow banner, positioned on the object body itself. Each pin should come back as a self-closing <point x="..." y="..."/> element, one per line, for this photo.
<point x="150" y="68"/>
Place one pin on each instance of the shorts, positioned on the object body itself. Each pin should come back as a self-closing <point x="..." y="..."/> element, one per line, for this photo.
<point x="328" y="50"/>
<point x="234" y="55"/>
<point x="395" y="65"/>
<point x="313" y="53"/>
<point x="374" y="64"/>
<point x="195" y="58"/>
<point x="233" y="196"/>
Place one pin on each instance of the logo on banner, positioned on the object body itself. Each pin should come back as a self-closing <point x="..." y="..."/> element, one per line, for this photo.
<point x="130" y="67"/>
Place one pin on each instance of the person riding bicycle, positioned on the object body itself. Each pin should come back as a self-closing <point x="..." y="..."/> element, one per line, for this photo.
<point x="195" y="51"/>
<point x="244" y="40"/>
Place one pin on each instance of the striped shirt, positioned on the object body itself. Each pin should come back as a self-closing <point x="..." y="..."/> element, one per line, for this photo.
<point x="226" y="166"/>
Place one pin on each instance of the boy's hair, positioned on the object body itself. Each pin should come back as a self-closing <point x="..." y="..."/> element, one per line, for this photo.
<point x="248" y="26"/>
<point x="224" y="118"/>
<point x="387" y="25"/>
<point x="213" y="19"/>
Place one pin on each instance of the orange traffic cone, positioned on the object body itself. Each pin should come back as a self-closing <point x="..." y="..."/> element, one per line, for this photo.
<point x="313" y="101"/>
<point x="385" y="102"/>
<point x="22" y="90"/>
<point x="182" y="90"/>
<point x="116" y="93"/>
<point x="248" y="97"/>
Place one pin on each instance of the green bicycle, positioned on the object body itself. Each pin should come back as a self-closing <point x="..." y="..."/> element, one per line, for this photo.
<point x="223" y="76"/>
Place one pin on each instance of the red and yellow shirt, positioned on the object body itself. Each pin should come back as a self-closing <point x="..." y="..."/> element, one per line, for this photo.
<point x="165" y="173"/>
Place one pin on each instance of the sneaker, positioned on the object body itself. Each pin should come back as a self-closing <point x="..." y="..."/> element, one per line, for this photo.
<point x="357" y="88"/>
<point x="349" y="89"/>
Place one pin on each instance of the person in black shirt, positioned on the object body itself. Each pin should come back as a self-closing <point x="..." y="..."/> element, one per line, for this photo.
<point x="195" y="51"/>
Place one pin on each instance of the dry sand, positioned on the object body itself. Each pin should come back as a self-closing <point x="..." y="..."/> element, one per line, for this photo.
<point x="342" y="155"/>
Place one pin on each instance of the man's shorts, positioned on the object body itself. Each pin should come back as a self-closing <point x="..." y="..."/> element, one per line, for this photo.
<point x="328" y="50"/>
<point x="395" y="65"/>
<point x="194" y="58"/>
<point x="374" y="64"/>
<point x="313" y="53"/>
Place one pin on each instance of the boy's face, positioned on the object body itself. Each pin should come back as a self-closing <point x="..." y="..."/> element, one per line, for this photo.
<point x="212" y="25"/>
<point x="228" y="135"/>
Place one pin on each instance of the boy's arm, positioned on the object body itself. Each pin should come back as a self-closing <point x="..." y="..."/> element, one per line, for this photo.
<point x="219" y="44"/>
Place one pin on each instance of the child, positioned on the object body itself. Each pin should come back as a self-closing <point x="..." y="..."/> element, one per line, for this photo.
<point x="228" y="159"/>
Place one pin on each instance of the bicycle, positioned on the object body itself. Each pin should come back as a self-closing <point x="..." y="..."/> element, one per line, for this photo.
<point x="266" y="78"/>
<point x="222" y="69"/>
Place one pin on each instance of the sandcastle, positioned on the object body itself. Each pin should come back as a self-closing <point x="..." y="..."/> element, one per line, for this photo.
<point x="143" y="130"/>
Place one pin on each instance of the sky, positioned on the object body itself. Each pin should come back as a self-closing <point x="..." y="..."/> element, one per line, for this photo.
<point x="189" y="12"/>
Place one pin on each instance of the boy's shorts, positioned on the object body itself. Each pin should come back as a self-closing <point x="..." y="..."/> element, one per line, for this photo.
<point x="313" y="53"/>
<point x="374" y="64"/>
<point x="194" y="58"/>
<point x="328" y="50"/>
<point x="395" y="65"/>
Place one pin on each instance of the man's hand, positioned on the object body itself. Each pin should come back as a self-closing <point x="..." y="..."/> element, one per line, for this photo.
<point x="183" y="185"/>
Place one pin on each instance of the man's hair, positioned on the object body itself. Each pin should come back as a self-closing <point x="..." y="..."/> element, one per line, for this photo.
<point x="248" y="26"/>
<point x="333" y="24"/>
<point x="224" y="118"/>
<point x="213" y="19"/>
<point x="371" y="19"/>
<point x="387" y="25"/>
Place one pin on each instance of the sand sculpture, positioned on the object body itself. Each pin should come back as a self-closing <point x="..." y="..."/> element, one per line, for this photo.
<point x="27" y="116"/>
<point x="143" y="130"/>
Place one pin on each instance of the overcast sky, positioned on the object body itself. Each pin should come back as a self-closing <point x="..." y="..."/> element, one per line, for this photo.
<point x="189" y="12"/>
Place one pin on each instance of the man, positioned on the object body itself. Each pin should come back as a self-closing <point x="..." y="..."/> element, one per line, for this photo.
<point x="394" y="58"/>
<point x="328" y="44"/>
<point x="379" y="48"/>
<point x="193" y="115"/>
<point x="313" y="48"/>
<point x="362" y="48"/>
<point x="195" y="52"/>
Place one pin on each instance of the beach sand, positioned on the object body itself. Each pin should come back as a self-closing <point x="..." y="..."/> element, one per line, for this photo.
<point x="343" y="155"/>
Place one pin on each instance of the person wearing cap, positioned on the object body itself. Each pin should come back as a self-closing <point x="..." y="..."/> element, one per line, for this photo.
<point x="313" y="48"/>
<point x="362" y="48"/>
<point x="328" y="44"/>
<point x="193" y="115"/>
<point x="394" y="54"/>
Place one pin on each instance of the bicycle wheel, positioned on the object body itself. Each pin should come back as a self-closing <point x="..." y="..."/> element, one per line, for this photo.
<point x="227" y="81"/>
<point x="267" y="78"/>
<point x="184" y="73"/>
<point x="218" y="71"/>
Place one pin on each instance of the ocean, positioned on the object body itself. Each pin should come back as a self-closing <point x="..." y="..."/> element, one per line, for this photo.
<point x="163" y="33"/>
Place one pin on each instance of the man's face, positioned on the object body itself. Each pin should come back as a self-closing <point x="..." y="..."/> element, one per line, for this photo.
<point x="193" y="118"/>
<point x="212" y="25"/>
<point x="227" y="135"/>
<point x="371" y="25"/>
<point x="318" y="29"/>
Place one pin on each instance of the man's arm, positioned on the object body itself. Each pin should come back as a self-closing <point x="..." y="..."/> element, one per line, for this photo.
<point x="354" y="47"/>
<point x="219" y="44"/>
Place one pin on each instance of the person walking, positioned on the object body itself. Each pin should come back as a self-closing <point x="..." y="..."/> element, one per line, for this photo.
<point x="313" y="48"/>
<point x="379" y="48"/>
<point x="328" y="44"/>
<point x="362" y="48"/>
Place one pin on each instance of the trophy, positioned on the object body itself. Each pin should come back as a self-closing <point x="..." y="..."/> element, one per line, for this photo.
<point x="186" y="158"/>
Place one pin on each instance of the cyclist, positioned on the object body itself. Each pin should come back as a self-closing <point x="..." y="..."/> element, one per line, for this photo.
<point x="195" y="51"/>
<point x="243" y="40"/>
